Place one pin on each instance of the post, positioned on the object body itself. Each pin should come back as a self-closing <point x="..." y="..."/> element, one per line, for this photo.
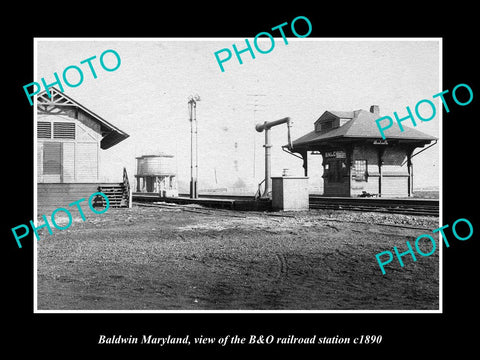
<point x="196" y="150"/>
<point x="192" y="192"/>
<point x="192" y="102"/>
<point x="305" y="161"/>
<point x="380" y="162"/>
<point x="410" y="172"/>
<point x="130" y="197"/>
<point x="268" y="179"/>
<point x="266" y="126"/>
<point x="254" y="160"/>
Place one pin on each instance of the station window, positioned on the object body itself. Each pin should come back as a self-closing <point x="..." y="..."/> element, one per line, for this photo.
<point x="327" y="125"/>
<point x="360" y="170"/>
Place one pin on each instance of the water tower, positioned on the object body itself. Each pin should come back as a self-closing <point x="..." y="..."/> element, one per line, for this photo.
<point x="157" y="174"/>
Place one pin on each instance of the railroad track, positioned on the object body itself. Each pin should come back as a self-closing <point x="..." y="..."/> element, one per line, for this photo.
<point x="428" y="207"/>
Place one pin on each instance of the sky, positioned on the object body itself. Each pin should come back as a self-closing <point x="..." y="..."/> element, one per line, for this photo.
<point x="147" y="97"/>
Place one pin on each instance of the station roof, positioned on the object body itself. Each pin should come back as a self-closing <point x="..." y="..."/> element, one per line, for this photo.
<point x="361" y="126"/>
<point x="111" y="135"/>
<point x="160" y="155"/>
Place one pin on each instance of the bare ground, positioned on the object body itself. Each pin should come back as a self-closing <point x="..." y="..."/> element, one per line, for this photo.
<point x="147" y="258"/>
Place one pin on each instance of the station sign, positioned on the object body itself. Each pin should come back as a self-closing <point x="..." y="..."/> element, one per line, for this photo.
<point x="335" y="155"/>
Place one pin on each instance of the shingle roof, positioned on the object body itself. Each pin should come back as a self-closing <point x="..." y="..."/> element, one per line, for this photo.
<point x="362" y="125"/>
<point x="342" y="114"/>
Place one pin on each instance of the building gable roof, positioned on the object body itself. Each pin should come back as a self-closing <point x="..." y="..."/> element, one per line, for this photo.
<point x="362" y="125"/>
<point x="111" y="135"/>
<point x="337" y="114"/>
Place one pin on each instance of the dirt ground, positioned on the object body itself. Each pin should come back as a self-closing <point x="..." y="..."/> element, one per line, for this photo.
<point x="148" y="258"/>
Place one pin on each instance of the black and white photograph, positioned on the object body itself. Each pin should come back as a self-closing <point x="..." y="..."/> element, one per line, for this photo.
<point x="226" y="180"/>
<point x="266" y="186"/>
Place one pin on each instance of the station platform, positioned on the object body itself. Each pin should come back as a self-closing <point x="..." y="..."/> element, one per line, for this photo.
<point x="241" y="203"/>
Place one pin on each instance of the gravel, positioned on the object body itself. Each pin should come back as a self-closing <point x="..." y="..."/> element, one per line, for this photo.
<point x="169" y="259"/>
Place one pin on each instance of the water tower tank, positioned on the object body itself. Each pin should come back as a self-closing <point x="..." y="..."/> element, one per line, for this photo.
<point x="156" y="165"/>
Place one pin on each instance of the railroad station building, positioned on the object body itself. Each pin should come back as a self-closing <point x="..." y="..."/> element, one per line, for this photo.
<point x="70" y="139"/>
<point x="356" y="160"/>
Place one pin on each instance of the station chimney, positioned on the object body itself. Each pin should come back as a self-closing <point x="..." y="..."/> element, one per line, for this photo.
<point x="375" y="109"/>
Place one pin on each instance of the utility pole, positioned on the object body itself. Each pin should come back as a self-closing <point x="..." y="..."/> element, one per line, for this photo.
<point x="256" y="107"/>
<point x="192" y="106"/>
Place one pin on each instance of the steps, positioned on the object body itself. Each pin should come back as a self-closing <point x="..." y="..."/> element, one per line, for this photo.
<point x="116" y="193"/>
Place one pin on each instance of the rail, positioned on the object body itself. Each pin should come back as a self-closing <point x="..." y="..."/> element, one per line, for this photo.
<point x="426" y="207"/>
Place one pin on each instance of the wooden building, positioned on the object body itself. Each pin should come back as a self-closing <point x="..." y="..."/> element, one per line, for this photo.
<point x="70" y="138"/>
<point x="356" y="160"/>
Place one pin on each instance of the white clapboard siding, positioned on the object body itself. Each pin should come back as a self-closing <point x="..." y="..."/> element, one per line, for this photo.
<point x="86" y="160"/>
<point x="395" y="186"/>
<point x="68" y="159"/>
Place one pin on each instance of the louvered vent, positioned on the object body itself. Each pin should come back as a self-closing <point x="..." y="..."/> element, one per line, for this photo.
<point x="63" y="130"/>
<point x="44" y="130"/>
